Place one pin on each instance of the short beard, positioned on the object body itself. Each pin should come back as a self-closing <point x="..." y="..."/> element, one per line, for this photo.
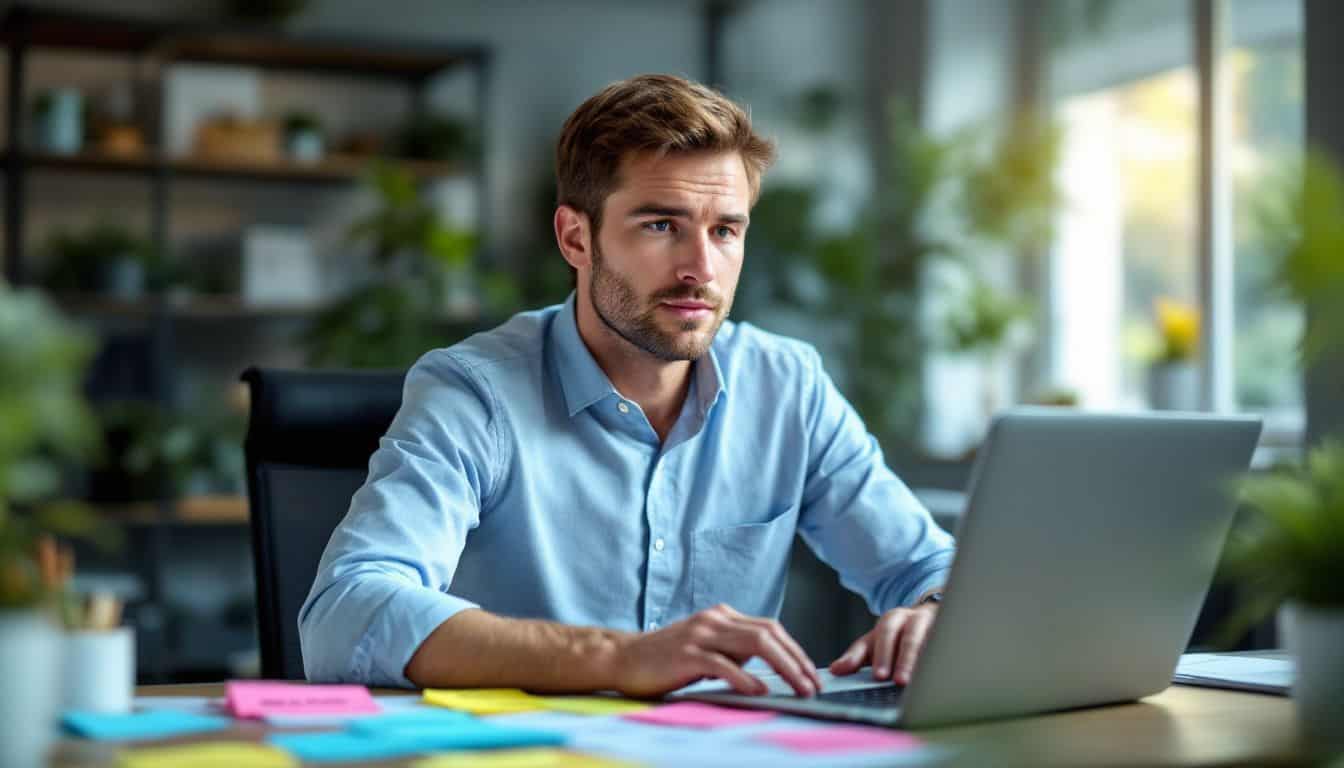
<point x="618" y="307"/>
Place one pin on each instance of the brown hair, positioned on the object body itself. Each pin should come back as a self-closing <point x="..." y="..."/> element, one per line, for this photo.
<point x="653" y="113"/>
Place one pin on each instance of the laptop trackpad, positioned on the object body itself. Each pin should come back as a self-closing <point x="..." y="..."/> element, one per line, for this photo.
<point x="829" y="683"/>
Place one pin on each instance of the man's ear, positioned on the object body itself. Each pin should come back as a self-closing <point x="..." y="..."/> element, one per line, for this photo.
<point x="573" y="233"/>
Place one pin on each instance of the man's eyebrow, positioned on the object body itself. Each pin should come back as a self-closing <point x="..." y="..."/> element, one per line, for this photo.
<point x="653" y="209"/>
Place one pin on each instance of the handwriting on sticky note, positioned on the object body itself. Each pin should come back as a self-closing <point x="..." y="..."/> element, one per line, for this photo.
<point x="259" y="699"/>
<point x="842" y="738"/>
<point x="691" y="714"/>
<point x="212" y="754"/>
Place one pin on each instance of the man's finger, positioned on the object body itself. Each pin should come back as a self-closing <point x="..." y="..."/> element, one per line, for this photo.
<point x="715" y="664"/>
<point x="911" y="644"/>
<point x="884" y="643"/>
<point x="746" y="639"/>
<point x="853" y="657"/>
<point x="790" y="645"/>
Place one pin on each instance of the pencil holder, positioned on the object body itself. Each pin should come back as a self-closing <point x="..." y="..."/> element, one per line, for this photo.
<point x="99" y="671"/>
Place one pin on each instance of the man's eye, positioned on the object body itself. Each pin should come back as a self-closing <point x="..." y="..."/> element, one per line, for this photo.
<point x="659" y="226"/>
<point x="724" y="232"/>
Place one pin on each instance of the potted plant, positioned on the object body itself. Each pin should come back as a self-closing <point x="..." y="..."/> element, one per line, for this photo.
<point x="44" y="421"/>
<point x="303" y="137"/>
<point x="420" y="263"/>
<point x="1173" y="378"/>
<point x="1293" y="548"/>
<point x="106" y="259"/>
<point x="987" y="324"/>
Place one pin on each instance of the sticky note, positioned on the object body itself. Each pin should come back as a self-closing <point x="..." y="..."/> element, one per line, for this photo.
<point x="592" y="705"/>
<point x="424" y="717"/>
<point x="520" y="758"/>
<point x="841" y="738"/>
<point x="211" y="754"/>
<point x="254" y="699"/>
<point x="473" y="734"/>
<point x="341" y="745"/>
<point x="484" y="701"/>
<point x="156" y="724"/>
<point x="693" y="714"/>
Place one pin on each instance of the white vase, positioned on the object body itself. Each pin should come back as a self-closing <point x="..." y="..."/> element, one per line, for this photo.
<point x="30" y="647"/>
<point x="1318" y="648"/>
<point x="1173" y="387"/>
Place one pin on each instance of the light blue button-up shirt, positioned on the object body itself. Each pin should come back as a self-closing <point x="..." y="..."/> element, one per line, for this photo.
<point x="516" y="478"/>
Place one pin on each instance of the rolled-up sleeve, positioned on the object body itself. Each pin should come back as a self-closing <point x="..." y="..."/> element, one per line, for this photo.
<point x="857" y="515"/>
<point x="382" y="584"/>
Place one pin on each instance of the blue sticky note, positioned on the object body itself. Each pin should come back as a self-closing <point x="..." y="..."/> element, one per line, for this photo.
<point x="410" y="740"/>
<point x="340" y="745"/>
<point x="153" y="724"/>
<point x="475" y="735"/>
<point x="428" y="717"/>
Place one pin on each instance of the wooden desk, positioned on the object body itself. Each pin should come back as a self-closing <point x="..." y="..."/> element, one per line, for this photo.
<point x="1181" y="726"/>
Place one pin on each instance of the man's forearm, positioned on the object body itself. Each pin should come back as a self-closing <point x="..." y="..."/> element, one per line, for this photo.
<point x="476" y="649"/>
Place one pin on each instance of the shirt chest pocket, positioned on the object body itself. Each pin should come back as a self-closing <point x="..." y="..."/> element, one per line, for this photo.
<point x="743" y="565"/>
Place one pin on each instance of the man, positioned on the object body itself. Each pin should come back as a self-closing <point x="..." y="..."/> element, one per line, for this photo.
<point x="602" y="495"/>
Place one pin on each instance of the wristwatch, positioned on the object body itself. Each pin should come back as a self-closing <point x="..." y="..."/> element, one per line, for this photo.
<point x="932" y="597"/>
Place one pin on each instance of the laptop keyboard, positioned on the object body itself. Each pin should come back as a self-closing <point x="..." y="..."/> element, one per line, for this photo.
<point x="884" y="696"/>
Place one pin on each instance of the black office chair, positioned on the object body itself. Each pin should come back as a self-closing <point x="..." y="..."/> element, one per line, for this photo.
<point x="309" y="440"/>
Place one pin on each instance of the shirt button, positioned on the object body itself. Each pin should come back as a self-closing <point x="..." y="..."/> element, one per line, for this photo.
<point x="658" y="545"/>
<point x="622" y="407"/>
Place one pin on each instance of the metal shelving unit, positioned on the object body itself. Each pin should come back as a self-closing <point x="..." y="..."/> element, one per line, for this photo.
<point x="159" y="531"/>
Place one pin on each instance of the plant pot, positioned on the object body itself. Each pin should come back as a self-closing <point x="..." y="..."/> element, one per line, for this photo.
<point x="1173" y="387"/>
<point x="30" y="647"/>
<point x="1318" y="640"/>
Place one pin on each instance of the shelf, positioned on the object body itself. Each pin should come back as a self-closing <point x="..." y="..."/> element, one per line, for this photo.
<point x="249" y="45"/>
<point x="193" y="308"/>
<point x="333" y="168"/>
<point x="190" y="511"/>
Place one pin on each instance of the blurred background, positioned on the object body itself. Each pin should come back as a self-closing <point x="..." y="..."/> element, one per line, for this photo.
<point x="1077" y="203"/>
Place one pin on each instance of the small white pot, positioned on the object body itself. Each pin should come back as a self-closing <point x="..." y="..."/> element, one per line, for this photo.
<point x="1318" y="647"/>
<point x="30" y="651"/>
<point x="1173" y="387"/>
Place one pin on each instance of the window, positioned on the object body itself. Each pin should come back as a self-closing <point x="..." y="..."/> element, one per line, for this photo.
<point x="1266" y="89"/>
<point x="1127" y="96"/>
<point x="1127" y="231"/>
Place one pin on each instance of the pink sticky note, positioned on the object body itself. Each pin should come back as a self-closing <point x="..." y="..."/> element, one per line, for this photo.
<point x="258" y="699"/>
<point x="691" y="714"/>
<point x="841" y="738"/>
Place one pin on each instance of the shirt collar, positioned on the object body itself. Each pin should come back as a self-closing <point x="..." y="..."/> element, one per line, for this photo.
<point x="585" y="383"/>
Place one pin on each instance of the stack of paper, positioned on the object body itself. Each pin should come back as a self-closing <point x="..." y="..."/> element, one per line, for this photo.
<point x="1268" y="673"/>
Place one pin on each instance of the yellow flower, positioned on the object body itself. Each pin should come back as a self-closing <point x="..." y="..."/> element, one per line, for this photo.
<point x="1178" y="323"/>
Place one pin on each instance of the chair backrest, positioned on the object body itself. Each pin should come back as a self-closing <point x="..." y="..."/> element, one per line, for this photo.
<point x="309" y="439"/>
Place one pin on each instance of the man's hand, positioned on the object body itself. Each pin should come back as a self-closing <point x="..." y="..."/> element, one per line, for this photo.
<point x="712" y="643"/>
<point x="892" y="646"/>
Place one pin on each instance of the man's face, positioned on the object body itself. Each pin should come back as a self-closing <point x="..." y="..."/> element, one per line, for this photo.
<point x="666" y="262"/>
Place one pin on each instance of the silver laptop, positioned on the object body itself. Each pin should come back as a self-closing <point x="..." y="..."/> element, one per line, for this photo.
<point x="1086" y="550"/>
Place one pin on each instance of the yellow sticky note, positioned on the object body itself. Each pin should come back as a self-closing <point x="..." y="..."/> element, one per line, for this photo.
<point x="520" y="758"/>
<point x="208" y="754"/>
<point x="592" y="705"/>
<point x="484" y="701"/>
